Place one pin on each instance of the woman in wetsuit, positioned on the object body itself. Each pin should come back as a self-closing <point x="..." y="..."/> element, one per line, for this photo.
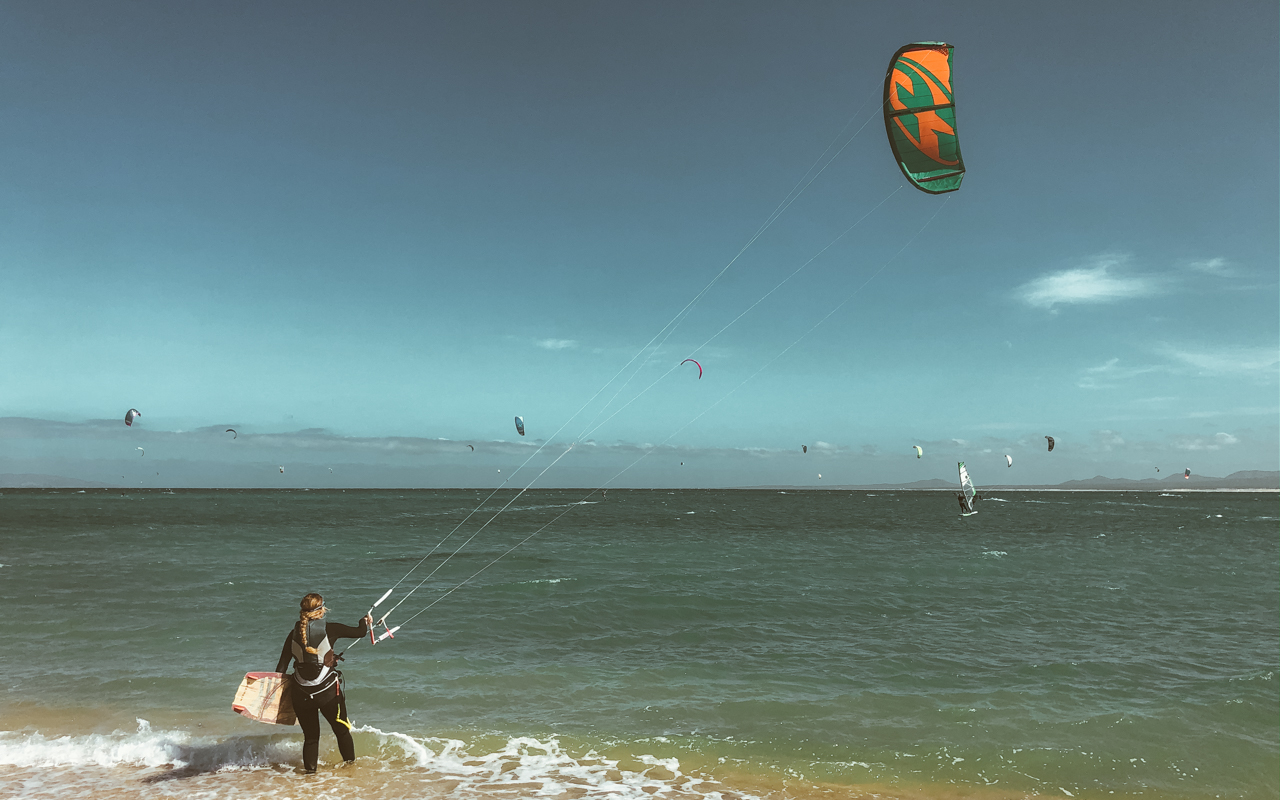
<point x="317" y="687"/>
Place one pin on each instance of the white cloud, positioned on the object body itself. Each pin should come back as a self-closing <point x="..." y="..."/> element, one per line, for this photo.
<point x="1259" y="361"/>
<point x="1107" y="440"/>
<point x="1099" y="377"/>
<point x="1093" y="284"/>
<point x="1212" y="266"/>
<point x="213" y="442"/>
<point x="1217" y="442"/>
<point x="1005" y="426"/>
<point x="556" y="344"/>
<point x="1240" y="411"/>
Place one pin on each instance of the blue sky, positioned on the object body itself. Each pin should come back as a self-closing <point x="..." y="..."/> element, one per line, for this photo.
<point x="366" y="237"/>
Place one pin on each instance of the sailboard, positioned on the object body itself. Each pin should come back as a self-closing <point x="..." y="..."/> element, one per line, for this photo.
<point x="966" y="488"/>
<point x="264" y="697"/>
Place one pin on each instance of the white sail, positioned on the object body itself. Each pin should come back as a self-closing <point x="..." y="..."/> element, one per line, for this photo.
<point x="966" y="487"/>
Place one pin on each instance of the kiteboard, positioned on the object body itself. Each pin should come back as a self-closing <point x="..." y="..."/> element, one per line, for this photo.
<point x="264" y="697"/>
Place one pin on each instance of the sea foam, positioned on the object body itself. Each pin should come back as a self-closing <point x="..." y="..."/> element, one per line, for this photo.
<point x="525" y="763"/>
<point x="47" y="766"/>
<point x="142" y="748"/>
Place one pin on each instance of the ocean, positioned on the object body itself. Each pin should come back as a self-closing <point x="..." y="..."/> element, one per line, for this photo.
<point x="679" y="644"/>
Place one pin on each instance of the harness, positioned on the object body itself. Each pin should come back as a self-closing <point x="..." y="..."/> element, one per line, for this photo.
<point x="314" y="660"/>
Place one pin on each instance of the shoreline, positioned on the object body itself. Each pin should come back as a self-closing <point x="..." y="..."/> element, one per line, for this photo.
<point x="127" y="754"/>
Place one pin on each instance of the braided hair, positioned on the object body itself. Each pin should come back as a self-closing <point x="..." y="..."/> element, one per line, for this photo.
<point x="311" y="608"/>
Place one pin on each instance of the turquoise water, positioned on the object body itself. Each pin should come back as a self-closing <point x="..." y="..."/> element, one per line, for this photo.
<point x="766" y="644"/>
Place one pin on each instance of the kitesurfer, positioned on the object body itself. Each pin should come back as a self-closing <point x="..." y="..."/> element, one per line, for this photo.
<point x="316" y="687"/>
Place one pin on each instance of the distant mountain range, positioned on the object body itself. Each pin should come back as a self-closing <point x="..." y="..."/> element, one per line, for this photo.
<point x="1252" y="479"/>
<point x="1255" y="479"/>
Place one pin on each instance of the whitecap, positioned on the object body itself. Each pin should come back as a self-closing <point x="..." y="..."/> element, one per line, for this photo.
<point x="543" y="769"/>
<point x="524" y="765"/>
<point x="143" y="748"/>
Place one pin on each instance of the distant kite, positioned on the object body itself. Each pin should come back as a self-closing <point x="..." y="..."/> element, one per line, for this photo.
<point x="473" y="447"/>
<point x="1008" y="458"/>
<point x="1050" y="438"/>
<point x="233" y="433"/>
<point x="132" y="414"/>
<point x="282" y="470"/>
<point x="699" y="366"/>
<point x="804" y="448"/>
<point x="520" y="425"/>
<point x="919" y="451"/>
<point x="1187" y="474"/>
<point x="143" y="453"/>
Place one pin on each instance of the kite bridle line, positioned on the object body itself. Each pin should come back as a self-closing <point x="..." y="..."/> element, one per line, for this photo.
<point x="661" y="336"/>
<point x="731" y="322"/>
<point x="793" y="195"/>
<point x="675" y="433"/>
<point x="389" y="631"/>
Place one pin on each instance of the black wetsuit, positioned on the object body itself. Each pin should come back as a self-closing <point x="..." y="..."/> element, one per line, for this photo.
<point x="309" y="704"/>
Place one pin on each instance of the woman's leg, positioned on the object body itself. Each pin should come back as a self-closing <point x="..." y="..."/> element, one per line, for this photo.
<point x="335" y="711"/>
<point x="309" y="719"/>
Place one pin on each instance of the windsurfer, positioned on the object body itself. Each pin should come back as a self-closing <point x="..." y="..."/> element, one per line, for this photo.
<point x="316" y="687"/>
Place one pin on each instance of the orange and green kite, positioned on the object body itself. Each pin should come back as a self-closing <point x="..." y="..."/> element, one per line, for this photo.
<point x="920" y="117"/>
